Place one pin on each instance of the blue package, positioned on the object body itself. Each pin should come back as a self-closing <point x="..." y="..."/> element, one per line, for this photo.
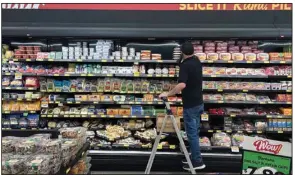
<point x="23" y="122"/>
<point x="5" y="122"/>
<point x="136" y="110"/>
<point x="280" y="124"/>
<point x="33" y="120"/>
<point x="14" y="121"/>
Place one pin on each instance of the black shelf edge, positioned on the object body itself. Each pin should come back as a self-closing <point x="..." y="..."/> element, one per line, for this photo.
<point x="243" y="131"/>
<point x="20" y="88"/>
<point x="245" y="90"/>
<point x="28" y="132"/>
<point x="171" y="103"/>
<point x="87" y="116"/>
<point x="251" y="116"/>
<point x="20" y="112"/>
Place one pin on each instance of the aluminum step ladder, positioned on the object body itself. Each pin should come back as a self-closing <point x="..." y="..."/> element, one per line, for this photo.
<point x="155" y="146"/>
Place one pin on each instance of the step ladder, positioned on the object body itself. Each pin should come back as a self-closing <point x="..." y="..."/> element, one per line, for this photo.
<point x="155" y="146"/>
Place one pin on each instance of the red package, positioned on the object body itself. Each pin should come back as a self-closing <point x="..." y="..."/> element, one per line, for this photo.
<point x="269" y="71"/>
<point x="210" y="44"/>
<point x="242" y="43"/>
<point x="234" y="48"/>
<point x="22" y="47"/>
<point x="222" y="44"/>
<point x="289" y="98"/>
<point x="231" y="42"/>
<point x="246" y="48"/>
<point x="262" y="57"/>
<point x="252" y="42"/>
<point x="281" y="97"/>
<point x="209" y="48"/>
<point x="31" y="82"/>
<point x="18" y="51"/>
<point x="29" y="47"/>
<point x="221" y="48"/>
<point x="29" y="51"/>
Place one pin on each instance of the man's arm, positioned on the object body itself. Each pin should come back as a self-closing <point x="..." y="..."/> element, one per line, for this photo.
<point x="183" y="76"/>
<point x="177" y="89"/>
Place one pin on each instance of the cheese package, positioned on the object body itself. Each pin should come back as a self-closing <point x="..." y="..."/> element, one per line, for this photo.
<point x="225" y="56"/>
<point x="201" y="56"/>
<point x="212" y="56"/>
<point x="250" y="56"/>
<point x="237" y="56"/>
<point x="262" y="57"/>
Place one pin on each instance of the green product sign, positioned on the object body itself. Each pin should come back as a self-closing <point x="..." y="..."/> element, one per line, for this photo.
<point x="265" y="164"/>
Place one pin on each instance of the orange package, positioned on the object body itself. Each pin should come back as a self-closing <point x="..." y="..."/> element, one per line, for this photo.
<point x="124" y="112"/>
<point x="112" y="111"/>
<point x="179" y="111"/>
<point x="286" y="111"/>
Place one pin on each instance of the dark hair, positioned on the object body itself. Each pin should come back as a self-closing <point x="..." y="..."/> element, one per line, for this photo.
<point x="187" y="48"/>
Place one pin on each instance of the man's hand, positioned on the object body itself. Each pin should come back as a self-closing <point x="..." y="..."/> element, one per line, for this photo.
<point x="164" y="94"/>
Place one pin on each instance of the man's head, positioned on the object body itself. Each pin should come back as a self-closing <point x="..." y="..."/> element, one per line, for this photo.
<point x="187" y="49"/>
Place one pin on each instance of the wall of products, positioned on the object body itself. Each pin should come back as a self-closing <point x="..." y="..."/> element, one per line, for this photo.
<point x="111" y="89"/>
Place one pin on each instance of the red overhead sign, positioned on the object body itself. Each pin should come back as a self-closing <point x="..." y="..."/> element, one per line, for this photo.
<point x="201" y="6"/>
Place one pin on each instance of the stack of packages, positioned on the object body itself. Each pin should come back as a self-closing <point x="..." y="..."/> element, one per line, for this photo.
<point x="82" y="166"/>
<point x="28" y="155"/>
<point x="72" y="140"/>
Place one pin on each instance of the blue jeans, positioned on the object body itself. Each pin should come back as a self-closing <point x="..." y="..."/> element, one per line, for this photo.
<point x="191" y="117"/>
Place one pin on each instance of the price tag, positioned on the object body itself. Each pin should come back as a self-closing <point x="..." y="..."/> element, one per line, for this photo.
<point x="262" y="102"/>
<point x="104" y="61"/>
<point x="79" y="60"/>
<point x="78" y="115"/>
<point x="159" y="61"/>
<point x="125" y="116"/>
<point x="93" y="116"/>
<point x="266" y="62"/>
<point x="172" y="146"/>
<point x="280" y="132"/>
<point x="55" y="115"/>
<point x="72" y="116"/>
<point x="43" y="115"/>
<point x="210" y="61"/>
<point x="50" y="59"/>
<point x="109" y="75"/>
<point x="49" y="116"/>
<point x="160" y="147"/>
<point x="230" y="61"/>
<point x="60" y="104"/>
<point x="219" y="90"/>
<point x="90" y="75"/>
<point x="289" y="90"/>
<point x="18" y="76"/>
<point x="66" y="116"/>
<point x="235" y="149"/>
<point x="249" y="62"/>
<point x="171" y="75"/>
<point x="218" y="130"/>
<point x="147" y="116"/>
<point x="282" y="62"/>
<point x="213" y="75"/>
<point x="25" y="114"/>
<point x="126" y="145"/>
<point x="23" y="128"/>
<point x="111" y="116"/>
<point x="56" y="75"/>
<point x="219" y="101"/>
<point x="210" y="130"/>
<point x="158" y="75"/>
<point x="164" y="75"/>
<point x="204" y="117"/>
<point x="7" y="73"/>
<point x="268" y="116"/>
<point x="240" y="131"/>
<point x="259" y="132"/>
<point x="120" y="60"/>
<point x="133" y="116"/>
<point x="245" y="90"/>
<point x="83" y="74"/>
<point x="84" y="116"/>
<point x="228" y="131"/>
<point x="149" y="75"/>
<point x="28" y="59"/>
<point x="136" y="74"/>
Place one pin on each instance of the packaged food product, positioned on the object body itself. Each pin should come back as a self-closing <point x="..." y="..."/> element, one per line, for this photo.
<point x="241" y="71"/>
<point x="8" y="144"/>
<point x="262" y="57"/>
<point x="229" y="97"/>
<point x="238" y="139"/>
<point x="251" y="97"/>
<point x="212" y="56"/>
<point x="14" y="164"/>
<point x="38" y="164"/>
<point x="260" y="125"/>
<point x="201" y="56"/>
<point x="26" y="147"/>
<point x="74" y="132"/>
<point x="276" y="56"/>
<point x="221" y="85"/>
<point x="225" y="56"/>
<point x="221" y="139"/>
<point x="250" y="56"/>
<point x="209" y="85"/>
<point x="220" y="70"/>
<point x="205" y="141"/>
<point x="51" y="146"/>
<point x="208" y="71"/>
<point x="231" y="71"/>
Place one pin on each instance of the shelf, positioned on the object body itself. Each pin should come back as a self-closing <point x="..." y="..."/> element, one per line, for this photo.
<point x="93" y="116"/>
<point x="243" y="131"/>
<point x="19" y="99"/>
<point x="28" y="132"/>
<point x="245" y="90"/>
<point x="162" y="103"/>
<point x="23" y="74"/>
<point x="75" y="75"/>
<point x="18" y="112"/>
<point x="19" y="88"/>
<point x="144" y="61"/>
<point x="144" y="75"/>
<point x="249" y="76"/>
<point x="252" y="116"/>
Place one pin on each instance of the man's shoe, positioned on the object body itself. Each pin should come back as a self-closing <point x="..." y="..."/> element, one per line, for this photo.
<point x="196" y="166"/>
